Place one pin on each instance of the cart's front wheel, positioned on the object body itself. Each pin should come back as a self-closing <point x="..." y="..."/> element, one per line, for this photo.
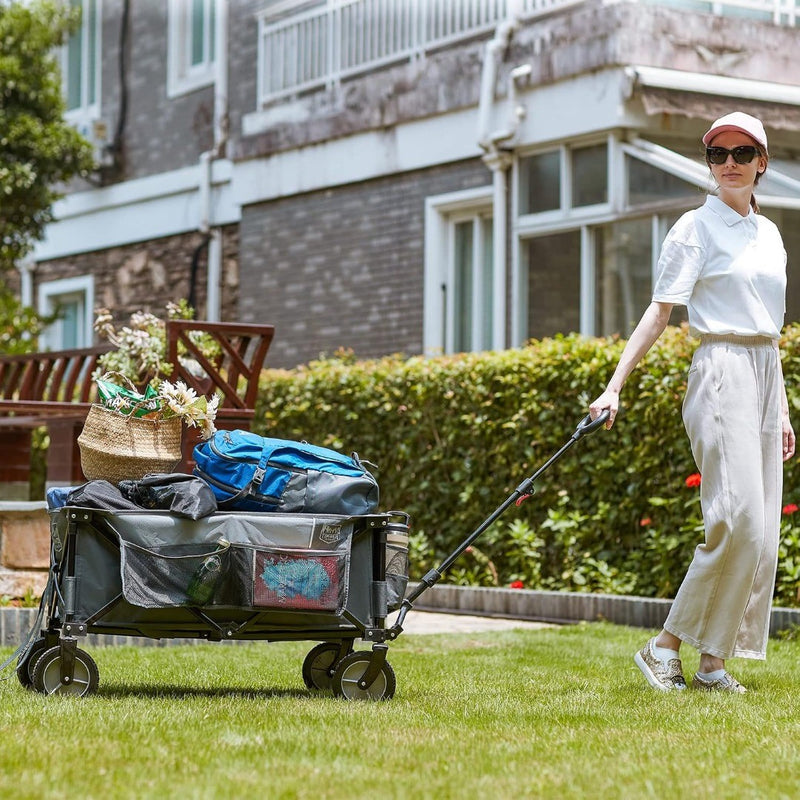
<point x="350" y="670"/>
<point x="47" y="674"/>
<point x="320" y="664"/>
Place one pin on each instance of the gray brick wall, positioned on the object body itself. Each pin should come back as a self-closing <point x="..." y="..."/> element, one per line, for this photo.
<point x="343" y="268"/>
<point x="161" y="133"/>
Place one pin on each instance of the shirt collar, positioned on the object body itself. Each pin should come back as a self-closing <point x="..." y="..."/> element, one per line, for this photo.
<point x="726" y="213"/>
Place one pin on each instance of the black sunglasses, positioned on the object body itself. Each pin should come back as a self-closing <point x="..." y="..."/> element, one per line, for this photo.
<point x="743" y="154"/>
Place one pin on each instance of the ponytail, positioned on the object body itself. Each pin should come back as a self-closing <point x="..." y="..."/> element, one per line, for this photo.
<point x="754" y="204"/>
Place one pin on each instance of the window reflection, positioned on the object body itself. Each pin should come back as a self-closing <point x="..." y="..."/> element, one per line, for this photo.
<point x="539" y="183"/>
<point x="554" y="277"/>
<point x="623" y="258"/>
<point x="589" y="175"/>
<point x="647" y="184"/>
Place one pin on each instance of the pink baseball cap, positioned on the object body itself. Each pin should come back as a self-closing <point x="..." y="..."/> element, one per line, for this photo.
<point x="738" y="121"/>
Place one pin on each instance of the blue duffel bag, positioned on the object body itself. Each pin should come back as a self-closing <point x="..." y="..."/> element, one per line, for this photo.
<point x="248" y="472"/>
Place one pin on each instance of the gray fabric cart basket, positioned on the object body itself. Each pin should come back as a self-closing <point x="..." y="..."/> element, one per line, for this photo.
<point x="234" y="575"/>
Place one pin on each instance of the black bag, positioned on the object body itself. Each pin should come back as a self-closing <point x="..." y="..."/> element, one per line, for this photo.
<point x="180" y="494"/>
<point x="99" y="494"/>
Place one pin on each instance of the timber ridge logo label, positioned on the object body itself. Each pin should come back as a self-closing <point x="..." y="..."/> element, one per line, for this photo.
<point x="330" y="534"/>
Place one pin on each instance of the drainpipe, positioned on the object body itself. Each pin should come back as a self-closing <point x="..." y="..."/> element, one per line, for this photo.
<point x="498" y="159"/>
<point x="26" y="268"/>
<point x="206" y="166"/>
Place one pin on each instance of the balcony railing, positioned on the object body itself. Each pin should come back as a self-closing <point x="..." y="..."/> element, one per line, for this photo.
<point x="338" y="39"/>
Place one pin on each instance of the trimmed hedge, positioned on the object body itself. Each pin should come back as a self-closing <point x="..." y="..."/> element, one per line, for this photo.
<point x="454" y="436"/>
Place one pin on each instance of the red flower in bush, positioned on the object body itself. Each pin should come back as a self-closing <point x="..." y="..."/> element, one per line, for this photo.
<point x="790" y="508"/>
<point x="693" y="480"/>
<point x="645" y="521"/>
<point x="516" y="585"/>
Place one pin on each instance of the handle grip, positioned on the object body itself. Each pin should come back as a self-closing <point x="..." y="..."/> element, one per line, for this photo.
<point x="588" y="425"/>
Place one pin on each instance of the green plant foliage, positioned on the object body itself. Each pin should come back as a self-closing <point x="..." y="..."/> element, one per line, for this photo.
<point x="38" y="150"/>
<point x="19" y="325"/>
<point x="454" y="436"/>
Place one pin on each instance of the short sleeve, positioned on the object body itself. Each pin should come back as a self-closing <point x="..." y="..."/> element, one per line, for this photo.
<point x="680" y="263"/>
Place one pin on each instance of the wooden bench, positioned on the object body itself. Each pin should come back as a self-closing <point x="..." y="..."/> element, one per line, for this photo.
<point x="56" y="389"/>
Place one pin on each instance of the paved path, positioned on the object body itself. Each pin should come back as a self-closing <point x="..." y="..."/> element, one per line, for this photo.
<point x="434" y="622"/>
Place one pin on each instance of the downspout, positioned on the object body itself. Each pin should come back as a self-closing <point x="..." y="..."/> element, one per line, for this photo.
<point x="498" y="159"/>
<point x="206" y="166"/>
<point x="26" y="268"/>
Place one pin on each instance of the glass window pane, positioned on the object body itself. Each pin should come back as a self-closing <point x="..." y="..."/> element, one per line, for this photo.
<point x="554" y="277"/>
<point x="73" y="69"/>
<point x="197" y="31"/>
<point x="623" y="261"/>
<point x="90" y="9"/>
<point x="788" y="221"/>
<point x="70" y="323"/>
<point x="589" y="175"/>
<point x="540" y="182"/>
<point x="212" y="26"/>
<point x="647" y="183"/>
<point x="462" y="291"/>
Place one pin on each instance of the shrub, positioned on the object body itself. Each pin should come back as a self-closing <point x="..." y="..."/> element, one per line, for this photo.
<point x="453" y="436"/>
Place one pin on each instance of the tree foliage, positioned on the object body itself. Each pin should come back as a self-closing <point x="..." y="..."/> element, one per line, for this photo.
<point x="38" y="149"/>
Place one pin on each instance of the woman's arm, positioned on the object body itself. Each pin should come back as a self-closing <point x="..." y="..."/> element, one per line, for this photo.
<point x="650" y="327"/>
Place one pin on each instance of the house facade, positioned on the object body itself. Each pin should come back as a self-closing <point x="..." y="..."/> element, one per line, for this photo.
<point x="403" y="176"/>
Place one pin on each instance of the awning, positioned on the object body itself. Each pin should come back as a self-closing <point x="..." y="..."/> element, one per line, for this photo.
<point x="708" y="107"/>
<point x="707" y="96"/>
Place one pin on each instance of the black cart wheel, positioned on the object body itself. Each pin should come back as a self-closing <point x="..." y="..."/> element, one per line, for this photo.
<point x="47" y="674"/>
<point x="349" y="672"/>
<point x="26" y="666"/>
<point x="320" y="664"/>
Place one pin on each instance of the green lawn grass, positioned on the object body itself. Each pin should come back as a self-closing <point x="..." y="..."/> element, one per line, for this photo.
<point x="553" y="713"/>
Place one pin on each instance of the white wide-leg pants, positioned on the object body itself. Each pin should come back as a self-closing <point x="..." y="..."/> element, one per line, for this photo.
<point x="732" y="413"/>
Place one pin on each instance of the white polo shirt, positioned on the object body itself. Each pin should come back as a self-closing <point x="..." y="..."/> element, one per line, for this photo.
<point x="728" y="270"/>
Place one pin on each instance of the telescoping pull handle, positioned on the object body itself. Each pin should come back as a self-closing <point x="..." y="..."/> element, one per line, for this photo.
<point x="525" y="489"/>
<point x="588" y="425"/>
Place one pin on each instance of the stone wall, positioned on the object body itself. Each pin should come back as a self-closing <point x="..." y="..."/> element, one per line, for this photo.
<point x="148" y="275"/>
<point x="24" y="548"/>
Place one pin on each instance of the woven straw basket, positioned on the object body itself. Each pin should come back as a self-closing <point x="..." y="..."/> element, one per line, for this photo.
<point x="115" y="447"/>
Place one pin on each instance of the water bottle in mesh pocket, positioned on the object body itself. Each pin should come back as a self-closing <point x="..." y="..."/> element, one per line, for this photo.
<point x="173" y="575"/>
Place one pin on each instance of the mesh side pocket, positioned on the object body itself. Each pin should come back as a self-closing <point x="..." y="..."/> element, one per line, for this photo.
<point x="300" y="580"/>
<point x="174" y="575"/>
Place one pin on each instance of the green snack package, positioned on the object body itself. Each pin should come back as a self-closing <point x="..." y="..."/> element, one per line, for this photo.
<point x="127" y="401"/>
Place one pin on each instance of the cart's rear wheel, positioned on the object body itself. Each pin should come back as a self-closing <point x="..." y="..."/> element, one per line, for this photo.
<point x="26" y="666"/>
<point x="47" y="674"/>
<point x="349" y="672"/>
<point x="320" y="664"/>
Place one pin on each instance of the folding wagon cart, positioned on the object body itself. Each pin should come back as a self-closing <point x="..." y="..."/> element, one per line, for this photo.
<point x="235" y="576"/>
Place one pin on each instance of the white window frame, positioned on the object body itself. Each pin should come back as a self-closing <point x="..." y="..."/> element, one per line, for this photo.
<point x="442" y="212"/>
<point x="49" y="293"/>
<point x="183" y="76"/>
<point x="82" y="116"/>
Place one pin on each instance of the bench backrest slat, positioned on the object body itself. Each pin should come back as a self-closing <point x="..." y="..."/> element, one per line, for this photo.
<point x="58" y="376"/>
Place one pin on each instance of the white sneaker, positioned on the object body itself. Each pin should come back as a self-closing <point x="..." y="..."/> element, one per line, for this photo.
<point x="665" y="676"/>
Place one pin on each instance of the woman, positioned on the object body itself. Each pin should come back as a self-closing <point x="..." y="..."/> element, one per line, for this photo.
<point x="727" y="264"/>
